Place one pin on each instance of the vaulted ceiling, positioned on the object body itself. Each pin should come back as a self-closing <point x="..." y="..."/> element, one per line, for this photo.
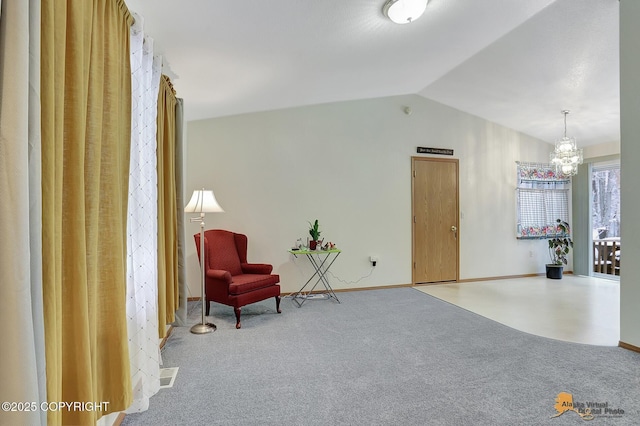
<point x="513" y="62"/>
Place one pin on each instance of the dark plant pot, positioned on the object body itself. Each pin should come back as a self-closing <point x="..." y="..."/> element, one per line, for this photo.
<point x="312" y="244"/>
<point x="554" y="272"/>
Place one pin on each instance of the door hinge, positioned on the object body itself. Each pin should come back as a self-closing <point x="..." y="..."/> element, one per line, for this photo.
<point x="414" y="173"/>
<point x="414" y="219"/>
<point x="414" y="265"/>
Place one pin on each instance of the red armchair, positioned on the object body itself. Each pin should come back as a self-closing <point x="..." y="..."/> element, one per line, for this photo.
<point x="229" y="279"/>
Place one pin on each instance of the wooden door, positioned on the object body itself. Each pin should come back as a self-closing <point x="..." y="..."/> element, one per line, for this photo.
<point x="435" y="220"/>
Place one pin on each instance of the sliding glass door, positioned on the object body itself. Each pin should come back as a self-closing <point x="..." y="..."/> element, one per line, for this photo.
<point x="605" y="218"/>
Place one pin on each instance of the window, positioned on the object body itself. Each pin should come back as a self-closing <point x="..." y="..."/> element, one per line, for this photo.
<point x="542" y="197"/>
<point x="605" y="218"/>
<point x="605" y="190"/>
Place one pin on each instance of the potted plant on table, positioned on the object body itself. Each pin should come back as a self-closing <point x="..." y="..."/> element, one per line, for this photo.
<point x="559" y="247"/>
<point x="314" y="231"/>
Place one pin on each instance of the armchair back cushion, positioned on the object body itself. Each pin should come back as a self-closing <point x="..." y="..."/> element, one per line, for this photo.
<point x="225" y="256"/>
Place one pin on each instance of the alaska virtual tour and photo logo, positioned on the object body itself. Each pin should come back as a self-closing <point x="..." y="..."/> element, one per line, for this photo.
<point x="586" y="410"/>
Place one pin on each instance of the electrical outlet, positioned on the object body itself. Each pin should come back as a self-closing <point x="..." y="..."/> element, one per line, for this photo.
<point x="373" y="259"/>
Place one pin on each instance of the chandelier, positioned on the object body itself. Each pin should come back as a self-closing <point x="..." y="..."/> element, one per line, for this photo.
<point x="566" y="157"/>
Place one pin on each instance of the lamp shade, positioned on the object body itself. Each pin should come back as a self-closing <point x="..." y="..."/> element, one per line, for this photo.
<point x="203" y="201"/>
<point x="404" y="11"/>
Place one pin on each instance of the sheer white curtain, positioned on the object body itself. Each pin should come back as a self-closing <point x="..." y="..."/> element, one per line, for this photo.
<point x="142" y="222"/>
<point x="22" y="375"/>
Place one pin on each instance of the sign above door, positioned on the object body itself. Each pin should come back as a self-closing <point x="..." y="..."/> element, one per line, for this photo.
<point x="438" y="151"/>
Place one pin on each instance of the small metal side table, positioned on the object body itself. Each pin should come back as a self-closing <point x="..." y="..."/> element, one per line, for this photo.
<point x="318" y="259"/>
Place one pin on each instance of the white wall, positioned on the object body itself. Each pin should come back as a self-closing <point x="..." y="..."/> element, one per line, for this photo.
<point x="630" y="154"/>
<point x="601" y="150"/>
<point x="348" y="164"/>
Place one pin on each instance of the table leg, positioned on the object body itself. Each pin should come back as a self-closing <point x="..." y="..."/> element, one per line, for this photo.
<point x="320" y="271"/>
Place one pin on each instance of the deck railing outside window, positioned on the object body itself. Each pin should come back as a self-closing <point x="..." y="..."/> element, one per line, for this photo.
<point x="606" y="256"/>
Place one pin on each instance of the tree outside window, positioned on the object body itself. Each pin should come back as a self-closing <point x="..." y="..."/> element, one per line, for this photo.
<point x="605" y="189"/>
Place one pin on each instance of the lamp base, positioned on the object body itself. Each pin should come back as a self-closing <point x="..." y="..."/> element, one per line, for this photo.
<point x="203" y="328"/>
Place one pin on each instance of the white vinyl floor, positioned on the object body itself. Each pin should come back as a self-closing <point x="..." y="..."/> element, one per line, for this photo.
<point x="574" y="309"/>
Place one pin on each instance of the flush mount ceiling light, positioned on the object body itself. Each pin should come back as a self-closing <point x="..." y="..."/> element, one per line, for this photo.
<point x="404" y="11"/>
<point x="566" y="157"/>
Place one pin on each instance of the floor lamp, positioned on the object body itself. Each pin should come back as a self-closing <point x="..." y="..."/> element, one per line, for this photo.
<point x="202" y="202"/>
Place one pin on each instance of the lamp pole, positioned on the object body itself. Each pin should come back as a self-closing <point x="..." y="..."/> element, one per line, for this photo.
<point x="203" y="327"/>
<point x="202" y="202"/>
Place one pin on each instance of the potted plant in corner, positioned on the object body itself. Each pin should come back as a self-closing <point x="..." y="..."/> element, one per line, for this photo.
<point x="559" y="247"/>
<point x="314" y="231"/>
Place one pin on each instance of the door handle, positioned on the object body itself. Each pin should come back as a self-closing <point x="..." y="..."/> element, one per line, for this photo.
<point x="454" y="229"/>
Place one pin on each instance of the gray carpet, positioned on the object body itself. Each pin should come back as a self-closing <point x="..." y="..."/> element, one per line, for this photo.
<point x="382" y="357"/>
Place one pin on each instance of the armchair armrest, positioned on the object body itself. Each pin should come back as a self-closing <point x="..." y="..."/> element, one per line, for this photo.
<point x="256" y="268"/>
<point x="219" y="274"/>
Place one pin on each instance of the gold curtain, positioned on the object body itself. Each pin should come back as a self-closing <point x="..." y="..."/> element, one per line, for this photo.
<point x="168" y="294"/>
<point x="86" y="120"/>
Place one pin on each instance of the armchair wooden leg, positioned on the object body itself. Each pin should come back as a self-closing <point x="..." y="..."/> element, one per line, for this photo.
<point x="237" y="311"/>
<point x="278" y="305"/>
